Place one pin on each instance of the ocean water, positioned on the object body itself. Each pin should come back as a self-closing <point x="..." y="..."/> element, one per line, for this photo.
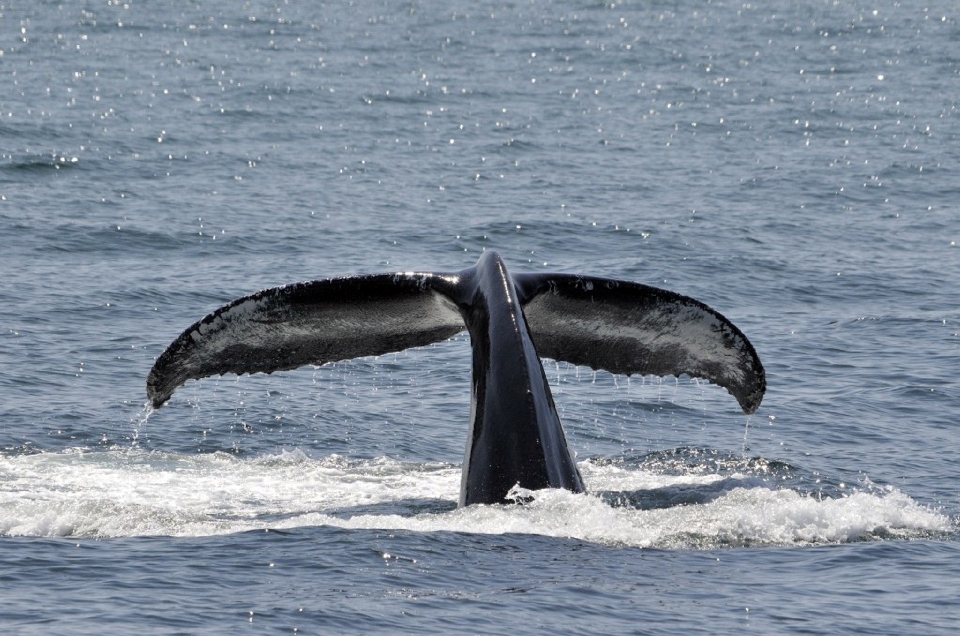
<point x="794" y="165"/>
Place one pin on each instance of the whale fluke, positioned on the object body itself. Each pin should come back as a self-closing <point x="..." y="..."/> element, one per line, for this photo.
<point x="625" y="327"/>
<point x="309" y="323"/>
<point x="515" y="436"/>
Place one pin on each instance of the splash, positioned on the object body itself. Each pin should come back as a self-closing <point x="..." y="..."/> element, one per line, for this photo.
<point x="136" y="493"/>
<point x="140" y="420"/>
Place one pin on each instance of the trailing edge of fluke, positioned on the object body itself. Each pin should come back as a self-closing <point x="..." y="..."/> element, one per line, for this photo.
<point x="515" y="436"/>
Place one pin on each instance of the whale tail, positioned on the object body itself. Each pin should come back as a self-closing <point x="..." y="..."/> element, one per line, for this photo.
<point x="515" y="435"/>
<point x="616" y="326"/>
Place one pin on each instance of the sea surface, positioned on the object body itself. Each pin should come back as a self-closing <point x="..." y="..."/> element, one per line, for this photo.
<point x="795" y="165"/>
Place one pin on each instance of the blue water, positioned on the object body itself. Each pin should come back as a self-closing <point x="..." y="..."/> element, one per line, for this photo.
<point x="794" y="165"/>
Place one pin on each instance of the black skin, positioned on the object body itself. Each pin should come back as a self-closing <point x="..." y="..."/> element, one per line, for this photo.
<point x="515" y="435"/>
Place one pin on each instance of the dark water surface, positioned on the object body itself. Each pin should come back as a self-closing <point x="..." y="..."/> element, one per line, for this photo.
<point x="796" y="167"/>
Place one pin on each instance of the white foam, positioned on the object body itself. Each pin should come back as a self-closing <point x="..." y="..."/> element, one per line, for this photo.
<point x="134" y="493"/>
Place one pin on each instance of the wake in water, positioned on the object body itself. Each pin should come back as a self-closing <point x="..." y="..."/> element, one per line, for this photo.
<point x="687" y="498"/>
